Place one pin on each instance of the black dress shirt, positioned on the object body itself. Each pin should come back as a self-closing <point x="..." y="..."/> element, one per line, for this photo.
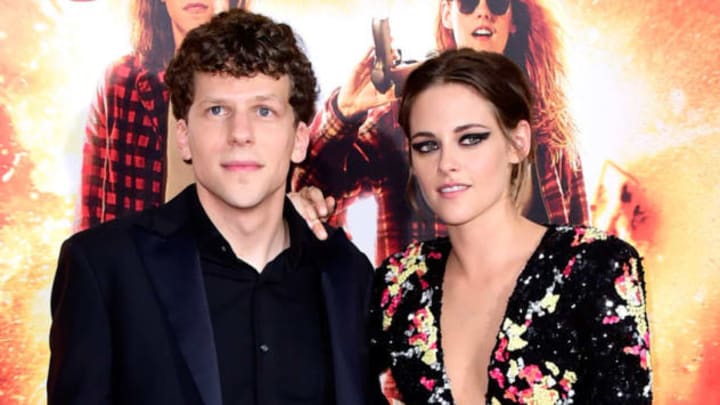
<point x="270" y="327"/>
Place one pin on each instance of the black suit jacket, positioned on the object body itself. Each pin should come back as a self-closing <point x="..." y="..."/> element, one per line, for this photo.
<point x="131" y="323"/>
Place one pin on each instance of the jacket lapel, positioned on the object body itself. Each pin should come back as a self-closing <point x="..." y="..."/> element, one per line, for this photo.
<point x="172" y="263"/>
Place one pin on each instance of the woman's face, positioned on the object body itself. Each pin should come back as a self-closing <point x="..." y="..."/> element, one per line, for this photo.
<point x="188" y="14"/>
<point x="478" y="28"/>
<point x="460" y="157"/>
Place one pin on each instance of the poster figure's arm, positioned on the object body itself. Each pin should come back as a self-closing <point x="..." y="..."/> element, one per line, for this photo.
<point x="616" y="318"/>
<point x="562" y="186"/>
<point x="336" y="162"/>
<point x="95" y="160"/>
<point x="576" y="194"/>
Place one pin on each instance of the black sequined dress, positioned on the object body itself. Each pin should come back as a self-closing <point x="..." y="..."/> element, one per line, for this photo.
<point x="575" y="330"/>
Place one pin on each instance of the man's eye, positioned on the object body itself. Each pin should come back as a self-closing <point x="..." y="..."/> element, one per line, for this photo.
<point x="217" y="110"/>
<point x="474" y="139"/>
<point x="425" y="146"/>
<point x="264" y="111"/>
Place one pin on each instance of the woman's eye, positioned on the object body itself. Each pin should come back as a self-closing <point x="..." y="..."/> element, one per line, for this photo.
<point x="473" y="139"/>
<point x="264" y="111"/>
<point x="425" y="146"/>
<point x="217" y="110"/>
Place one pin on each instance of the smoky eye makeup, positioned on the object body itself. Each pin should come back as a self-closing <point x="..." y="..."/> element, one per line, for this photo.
<point x="424" y="146"/>
<point x="474" y="138"/>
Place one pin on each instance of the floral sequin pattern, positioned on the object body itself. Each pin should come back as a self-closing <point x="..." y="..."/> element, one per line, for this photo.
<point x="574" y="331"/>
<point x="399" y="270"/>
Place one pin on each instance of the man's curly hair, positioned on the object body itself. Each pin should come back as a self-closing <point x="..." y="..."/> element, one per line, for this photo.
<point x="239" y="43"/>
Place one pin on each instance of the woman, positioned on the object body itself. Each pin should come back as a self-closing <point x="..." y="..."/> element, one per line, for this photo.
<point x="503" y="310"/>
<point x="124" y="153"/>
<point x="358" y="148"/>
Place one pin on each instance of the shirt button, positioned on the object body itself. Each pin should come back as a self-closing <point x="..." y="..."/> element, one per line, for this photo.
<point x="223" y="248"/>
<point x="264" y="348"/>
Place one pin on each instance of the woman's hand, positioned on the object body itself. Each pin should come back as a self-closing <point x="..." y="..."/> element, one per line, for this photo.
<point x="314" y="207"/>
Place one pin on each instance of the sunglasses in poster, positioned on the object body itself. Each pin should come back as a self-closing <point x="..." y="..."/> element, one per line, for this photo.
<point x="497" y="7"/>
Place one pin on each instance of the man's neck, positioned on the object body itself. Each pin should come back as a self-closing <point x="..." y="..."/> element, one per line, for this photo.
<point x="256" y="235"/>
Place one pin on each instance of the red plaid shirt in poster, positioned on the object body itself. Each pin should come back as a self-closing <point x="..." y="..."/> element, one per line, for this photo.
<point x="123" y="168"/>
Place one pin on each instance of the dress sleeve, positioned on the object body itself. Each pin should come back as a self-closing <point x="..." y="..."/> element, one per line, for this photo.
<point x="382" y="309"/>
<point x="619" y="337"/>
<point x="80" y="341"/>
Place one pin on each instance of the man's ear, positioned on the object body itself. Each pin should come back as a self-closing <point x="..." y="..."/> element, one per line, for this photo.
<point x="521" y="137"/>
<point x="301" y="142"/>
<point x="183" y="140"/>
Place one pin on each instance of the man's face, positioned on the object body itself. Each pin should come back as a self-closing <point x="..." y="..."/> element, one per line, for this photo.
<point x="241" y="135"/>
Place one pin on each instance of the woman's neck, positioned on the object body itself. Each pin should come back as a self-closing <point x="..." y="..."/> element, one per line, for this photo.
<point x="493" y="242"/>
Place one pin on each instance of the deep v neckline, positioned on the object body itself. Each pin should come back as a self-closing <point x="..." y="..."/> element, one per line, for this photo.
<point x="516" y="292"/>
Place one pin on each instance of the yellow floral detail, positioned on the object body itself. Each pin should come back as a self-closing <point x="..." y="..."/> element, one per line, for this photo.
<point x="570" y="376"/>
<point x="549" y="302"/>
<point x="425" y="337"/>
<point x="513" y="369"/>
<point x="494" y="401"/>
<point x="408" y="265"/>
<point x="587" y="235"/>
<point x="513" y="332"/>
<point x="541" y="395"/>
<point x="554" y="369"/>
<point x="628" y="287"/>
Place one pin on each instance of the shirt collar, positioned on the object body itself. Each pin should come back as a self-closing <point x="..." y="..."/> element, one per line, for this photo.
<point x="301" y="237"/>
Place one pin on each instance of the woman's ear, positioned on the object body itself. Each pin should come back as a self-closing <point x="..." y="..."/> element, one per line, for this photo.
<point x="445" y="14"/>
<point x="521" y="137"/>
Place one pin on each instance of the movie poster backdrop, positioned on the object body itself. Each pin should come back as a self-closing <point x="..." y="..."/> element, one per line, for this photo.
<point x="633" y="87"/>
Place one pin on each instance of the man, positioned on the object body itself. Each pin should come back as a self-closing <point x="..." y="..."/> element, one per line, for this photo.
<point x="222" y="295"/>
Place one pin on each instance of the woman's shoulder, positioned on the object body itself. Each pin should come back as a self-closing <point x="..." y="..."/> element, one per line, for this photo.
<point x="590" y="241"/>
<point x="417" y="258"/>
<point x="593" y="257"/>
<point x="418" y="252"/>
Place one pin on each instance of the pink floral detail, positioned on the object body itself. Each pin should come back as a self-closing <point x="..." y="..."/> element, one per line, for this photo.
<point x="525" y="395"/>
<point x="428" y="383"/>
<point x="587" y="235"/>
<point x="568" y="268"/>
<point x="579" y="232"/>
<point x="385" y="297"/>
<point x="531" y="374"/>
<point x="435" y="255"/>
<point x="609" y="320"/>
<point x="498" y="376"/>
<point x="511" y="393"/>
<point x="641" y="351"/>
<point x="565" y="384"/>
<point x="501" y="353"/>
